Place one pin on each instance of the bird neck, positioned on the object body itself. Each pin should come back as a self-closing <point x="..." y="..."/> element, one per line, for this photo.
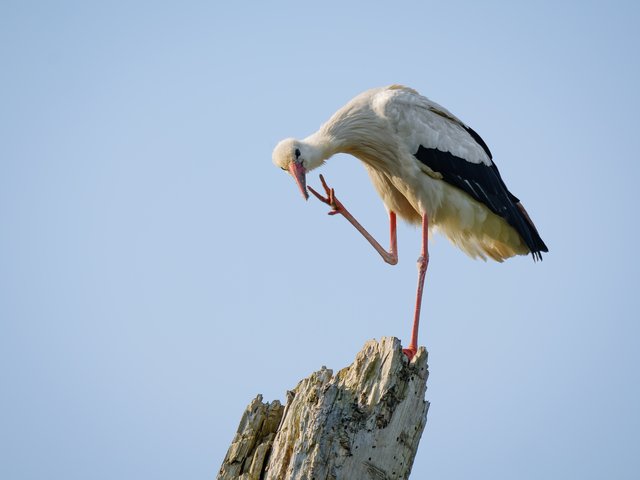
<point x="318" y="148"/>
<point x="353" y="130"/>
<point x="357" y="131"/>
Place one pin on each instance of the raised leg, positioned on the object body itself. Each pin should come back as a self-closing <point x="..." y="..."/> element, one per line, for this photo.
<point x="423" y="262"/>
<point x="391" y="257"/>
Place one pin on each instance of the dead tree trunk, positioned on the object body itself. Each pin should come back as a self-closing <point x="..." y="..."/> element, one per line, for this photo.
<point x="363" y="423"/>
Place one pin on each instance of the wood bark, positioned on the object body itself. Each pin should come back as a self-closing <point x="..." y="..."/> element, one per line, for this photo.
<point x="363" y="423"/>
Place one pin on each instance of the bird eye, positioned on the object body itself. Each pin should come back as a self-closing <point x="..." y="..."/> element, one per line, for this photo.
<point x="297" y="152"/>
<point x="283" y="168"/>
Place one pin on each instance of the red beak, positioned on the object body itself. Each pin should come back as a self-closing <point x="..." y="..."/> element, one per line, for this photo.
<point x="297" y="172"/>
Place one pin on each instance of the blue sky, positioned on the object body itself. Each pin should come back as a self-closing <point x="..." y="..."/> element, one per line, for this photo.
<point x="157" y="271"/>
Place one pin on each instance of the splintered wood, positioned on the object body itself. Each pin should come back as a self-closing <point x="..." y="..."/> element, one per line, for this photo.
<point x="363" y="423"/>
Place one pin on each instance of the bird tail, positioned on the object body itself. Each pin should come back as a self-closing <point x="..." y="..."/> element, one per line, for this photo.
<point x="534" y="241"/>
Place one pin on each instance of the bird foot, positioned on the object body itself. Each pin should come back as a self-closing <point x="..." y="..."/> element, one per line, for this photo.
<point x="330" y="199"/>
<point x="410" y="352"/>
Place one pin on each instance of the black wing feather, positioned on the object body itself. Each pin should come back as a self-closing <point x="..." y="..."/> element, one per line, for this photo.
<point x="484" y="184"/>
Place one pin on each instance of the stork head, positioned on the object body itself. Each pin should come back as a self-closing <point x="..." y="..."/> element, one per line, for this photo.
<point x="297" y="157"/>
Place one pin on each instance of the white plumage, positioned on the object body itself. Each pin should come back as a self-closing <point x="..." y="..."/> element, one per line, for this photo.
<point x="428" y="167"/>
<point x="384" y="128"/>
<point x="419" y="121"/>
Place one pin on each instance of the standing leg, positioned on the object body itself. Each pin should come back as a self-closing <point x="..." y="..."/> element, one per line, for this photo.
<point x="423" y="262"/>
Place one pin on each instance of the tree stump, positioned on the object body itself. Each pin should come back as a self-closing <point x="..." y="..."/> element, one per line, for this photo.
<point x="363" y="423"/>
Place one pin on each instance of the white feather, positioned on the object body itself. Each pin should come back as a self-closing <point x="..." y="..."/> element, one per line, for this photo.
<point x="384" y="127"/>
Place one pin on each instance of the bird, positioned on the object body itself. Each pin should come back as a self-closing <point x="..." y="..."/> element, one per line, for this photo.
<point x="429" y="168"/>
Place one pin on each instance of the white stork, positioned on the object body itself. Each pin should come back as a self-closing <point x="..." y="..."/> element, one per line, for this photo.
<point x="428" y="167"/>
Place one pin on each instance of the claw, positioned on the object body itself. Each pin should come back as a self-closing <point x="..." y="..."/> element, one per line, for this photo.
<point x="317" y="195"/>
<point x="409" y="352"/>
<point x="330" y="199"/>
<point x="324" y="184"/>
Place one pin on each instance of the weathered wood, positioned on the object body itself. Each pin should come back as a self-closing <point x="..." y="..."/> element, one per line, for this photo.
<point x="246" y="456"/>
<point x="365" y="422"/>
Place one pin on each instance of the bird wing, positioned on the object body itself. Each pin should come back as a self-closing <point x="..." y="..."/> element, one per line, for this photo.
<point x="420" y="122"/>
<point x="448" y="149"/>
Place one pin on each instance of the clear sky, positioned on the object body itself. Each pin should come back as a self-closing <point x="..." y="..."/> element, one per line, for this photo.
<point x="157" y="271"/>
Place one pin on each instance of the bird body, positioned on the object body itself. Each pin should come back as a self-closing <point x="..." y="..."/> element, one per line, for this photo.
<point x="428" y="167"/>
<point x="422" y="159"/>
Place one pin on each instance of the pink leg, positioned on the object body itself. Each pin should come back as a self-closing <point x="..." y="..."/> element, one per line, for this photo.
<point x="423" y="262"/>
<point x="391" y="257"/>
